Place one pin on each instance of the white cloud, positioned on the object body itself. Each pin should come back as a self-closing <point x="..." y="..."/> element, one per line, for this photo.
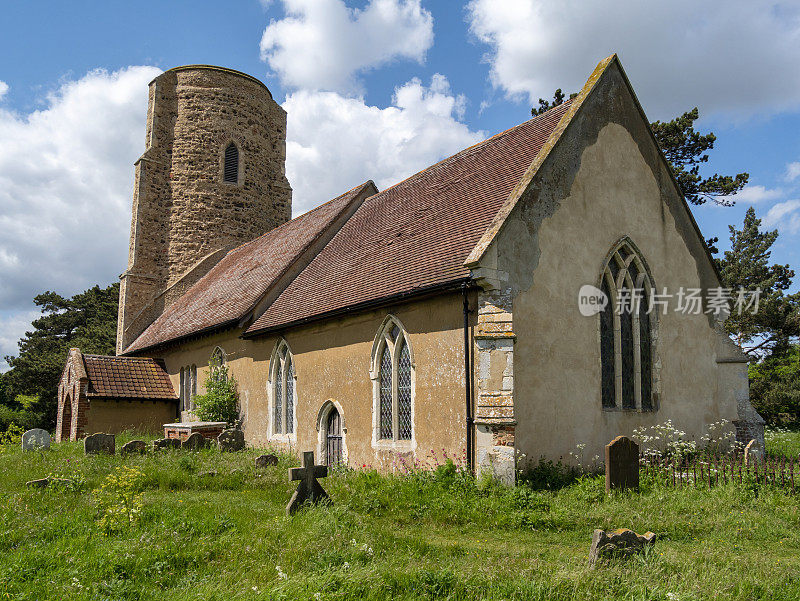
<point x="740" y="59"/>
<point x="322" y="44"/>
<point x="3" y="89"/>
<point x="12" y="327"/>
<point x="793" y="171"/>
<point x="755" y="194"/>
<point x="66" y="175"/>
<point x="785" y="216"/>
<point x="337" y="142"/>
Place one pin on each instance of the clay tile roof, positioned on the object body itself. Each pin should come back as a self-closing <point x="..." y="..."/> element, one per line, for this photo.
<point x="235" y="284"/>
<point x="416" y="234"/>
<point x="127" y="377"/>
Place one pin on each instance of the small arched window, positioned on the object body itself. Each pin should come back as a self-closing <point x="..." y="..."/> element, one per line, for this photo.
<point x="392" y="375"/>
<point x="218" y="358"/>
<point x="283" y="390"/>
<point x="231" y="167"/>
<point x="626" y="338"/>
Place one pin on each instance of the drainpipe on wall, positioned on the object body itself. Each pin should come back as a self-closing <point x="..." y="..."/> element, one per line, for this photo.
<point x="467" y="377"/>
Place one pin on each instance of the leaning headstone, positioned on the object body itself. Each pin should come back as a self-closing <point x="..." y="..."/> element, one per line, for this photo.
<point x="622" y="464"/>
<point x="35" y="439"/>
<point x="620" y="543"/>
<point x="40" y="483"/>
<point x="134" y="447"/>
<point x="195" y="442"/>
<point x="231" y="440"/>
<point x="263" y="461"/>
<point x="166" y="443"/>
<point x="753" y="453"/>
<point x="99" y="443"/>
<point x="309" y="490"/>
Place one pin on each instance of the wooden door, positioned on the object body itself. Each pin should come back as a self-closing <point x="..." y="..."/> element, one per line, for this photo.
<point x="333" y="447"/>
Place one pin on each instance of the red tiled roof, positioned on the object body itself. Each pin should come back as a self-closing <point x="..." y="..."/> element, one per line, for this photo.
<point x="416" y="234"/>
<point x="127" y="377"/>
<point x="235" y="284"/>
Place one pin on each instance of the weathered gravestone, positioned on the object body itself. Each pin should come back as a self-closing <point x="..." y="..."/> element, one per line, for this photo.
<point x="99" y="443"/>
<point x="195" y="442"/>
<point x="133" y="447"/>
<point x="231" y="440"/>
<point x="35" y="439"/>
<point x="309" y="490"/>
<point x="166" y="443"/>
<point x="263" y="461"/>
<point x="620" y="543"/>
<point x="753" y="453"/>
<point x="622" y="464"/>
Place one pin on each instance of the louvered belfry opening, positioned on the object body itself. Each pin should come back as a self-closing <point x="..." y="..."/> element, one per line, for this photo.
<point x="231" y="172"/>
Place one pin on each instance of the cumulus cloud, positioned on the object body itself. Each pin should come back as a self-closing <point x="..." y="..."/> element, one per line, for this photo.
<point x="754" y="194"/>
<point x="336" y="142"/>
<point x="678" y="54"/>
<point x="792" y="171"/>
<point x="13" y="326"/>
<point x="3" y="89"/>
<point x="66" y="174"/>
<point x="323" y="45"/>
<point x="785" y="216"/>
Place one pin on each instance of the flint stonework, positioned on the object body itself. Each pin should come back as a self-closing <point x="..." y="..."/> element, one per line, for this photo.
<point x="263" y="461"/>
<point x="620" y="543"/>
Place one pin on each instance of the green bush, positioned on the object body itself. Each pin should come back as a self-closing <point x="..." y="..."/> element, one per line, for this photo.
<point x="220" y="403"/>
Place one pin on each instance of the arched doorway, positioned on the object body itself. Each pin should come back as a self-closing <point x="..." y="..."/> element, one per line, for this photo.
<point x="333" y="438"/>
<point x="66" y="419"/>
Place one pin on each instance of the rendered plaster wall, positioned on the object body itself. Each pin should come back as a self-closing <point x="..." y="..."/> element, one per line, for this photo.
<point x="332" y="363"/>
<point x="113" y="417"/>
<point x="604" y="180"/>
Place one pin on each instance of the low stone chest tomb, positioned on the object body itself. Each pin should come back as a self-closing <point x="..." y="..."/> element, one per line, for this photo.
<point x="99" y="443"/>
<point x="620" y="543"/>
<point x="35" y="439"/>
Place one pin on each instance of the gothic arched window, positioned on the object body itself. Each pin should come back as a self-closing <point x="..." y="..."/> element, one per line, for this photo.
<point x="626" y="338"/>
<point x="230" y="173"/>
<point x="392" y="373"/>
<point x="283" y="390"/>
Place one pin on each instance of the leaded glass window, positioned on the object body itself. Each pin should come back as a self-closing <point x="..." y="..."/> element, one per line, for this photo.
<point x="283" y="390"/>
<point x="393" y="369"/>
<point x="626" y="353"/>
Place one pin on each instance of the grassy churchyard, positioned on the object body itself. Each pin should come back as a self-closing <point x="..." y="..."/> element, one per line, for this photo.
<point x="163" y="527"/>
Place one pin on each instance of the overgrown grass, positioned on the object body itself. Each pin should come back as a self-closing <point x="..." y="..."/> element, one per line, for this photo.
<point x="782" y="442"/>
<point x="426" y="535"/>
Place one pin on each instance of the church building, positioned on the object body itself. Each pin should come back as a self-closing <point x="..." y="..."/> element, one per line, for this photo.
<point x="445" y="315"/>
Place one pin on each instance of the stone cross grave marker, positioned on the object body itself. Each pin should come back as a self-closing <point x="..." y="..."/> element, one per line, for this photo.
<point x="308" y="489"/>
<point x="622" y="464"/>
<point x="35" y="439"/>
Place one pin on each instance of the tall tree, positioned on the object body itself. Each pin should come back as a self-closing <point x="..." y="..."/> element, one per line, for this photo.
<point x="87" y="320"/>
<point x="686" y="150"/>
<point x="747" y="266"/>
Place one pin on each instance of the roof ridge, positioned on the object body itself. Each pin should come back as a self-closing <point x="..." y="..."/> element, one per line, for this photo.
<point x="302" y="215"/>
<point x="476" y="145"/>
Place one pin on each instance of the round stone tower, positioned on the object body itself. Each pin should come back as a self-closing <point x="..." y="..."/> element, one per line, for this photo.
<point x="212" y="177"/>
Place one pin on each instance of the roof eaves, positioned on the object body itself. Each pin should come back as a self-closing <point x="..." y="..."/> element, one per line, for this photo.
<point x="500" y="218"/>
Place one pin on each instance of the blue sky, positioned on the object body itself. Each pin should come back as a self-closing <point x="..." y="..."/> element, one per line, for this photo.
<point x="375" y="89"/>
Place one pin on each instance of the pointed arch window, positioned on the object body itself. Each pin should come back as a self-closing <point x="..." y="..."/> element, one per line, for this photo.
<point x="392" y="374"/>
<point x="230" y="173"/>
<point x="283" y="390"/>
<point x="626" y="336"/>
